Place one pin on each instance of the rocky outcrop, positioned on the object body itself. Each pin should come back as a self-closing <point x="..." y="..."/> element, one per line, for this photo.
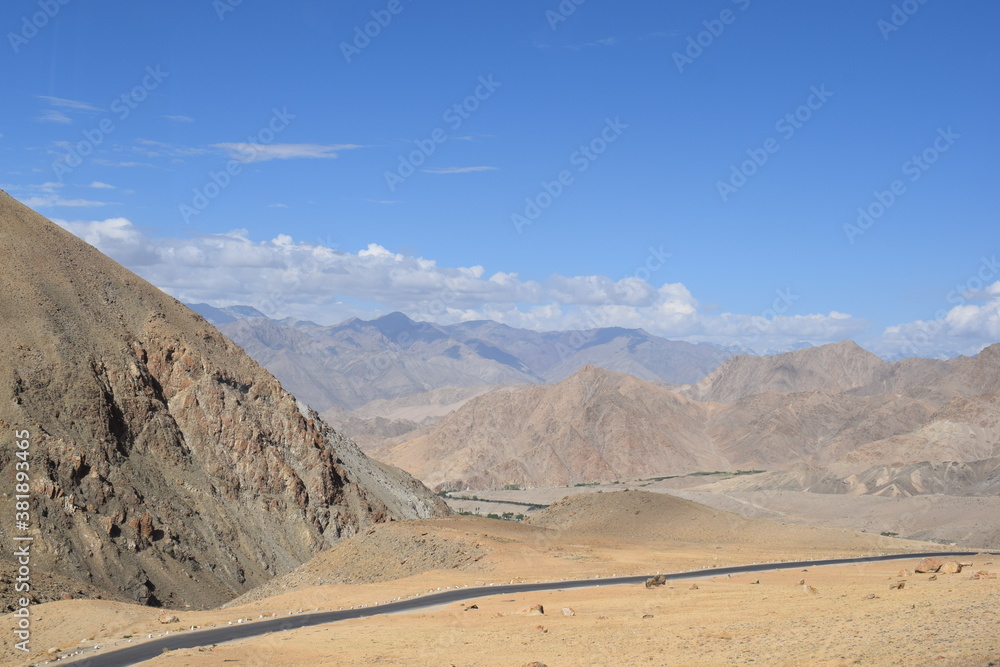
<point x="166" y="466"/>
<point x="929" y="564"/>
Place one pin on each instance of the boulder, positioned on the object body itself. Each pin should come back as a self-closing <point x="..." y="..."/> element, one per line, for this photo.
<point x="658" y="580"/>
<point x="168" y="618"/>
<point x="929" y="564"/>
<point x="950" y="567"/>
<point x="568" y="611"/>
<point x="536" y="610"/>
<point x="899" y="585"/>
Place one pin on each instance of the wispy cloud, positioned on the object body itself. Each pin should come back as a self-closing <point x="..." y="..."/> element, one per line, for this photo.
<point x="46" y="195"/>
<point x="600" y="43"/>
<point x="53" y="116"/>
<point x="277" y="205"/>
<point x="151" y="148"/>
<point x="384" y="201"/>
<point x="101" y="186"/>
<point x="68" y="104"/>
<point x="458" y="170"/>
<point x="263" y="152"/>
<point x="180" y="119"/>
<point x="50" y="201"/>
<point x="104" y="162"/>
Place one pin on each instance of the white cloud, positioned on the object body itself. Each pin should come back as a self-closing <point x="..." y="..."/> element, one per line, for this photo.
<point x="53" y="116"/>
<point x="68" y="104"/>
<point x="277" y="205"/>
<point x="151" y="148"/>
<point x="965" y="328"/>
<point x="101" y="186"/>
<point x="458" y="170"/>
<point x="119" y="163"/>
<point x="46" y="195"/>
<point x="49" y="201"/>
<point x="180" y="119"/>
<point x="605" y="42"/>
<point x="263" y="152"/>
<point x="284" y="277"/>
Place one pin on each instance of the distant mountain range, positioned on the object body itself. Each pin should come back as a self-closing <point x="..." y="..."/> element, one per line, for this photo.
<point x="357" y="361"/>
<point x="836" y="409"/>
<point x="484" y="405"/>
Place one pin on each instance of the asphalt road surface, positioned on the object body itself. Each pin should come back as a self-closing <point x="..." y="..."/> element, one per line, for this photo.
<point x="150" y="649"/>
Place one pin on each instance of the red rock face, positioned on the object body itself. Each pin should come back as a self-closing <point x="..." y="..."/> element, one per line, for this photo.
<point x="166" y="465"/>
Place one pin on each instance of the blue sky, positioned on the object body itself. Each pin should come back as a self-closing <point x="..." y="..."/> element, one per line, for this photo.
<point x="711" y="155"/>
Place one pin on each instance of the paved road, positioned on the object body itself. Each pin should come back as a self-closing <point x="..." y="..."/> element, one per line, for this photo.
<point x="151" y="649"/>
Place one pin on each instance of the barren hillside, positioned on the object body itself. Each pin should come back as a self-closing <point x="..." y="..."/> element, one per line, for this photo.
<point x="166" y="465"/>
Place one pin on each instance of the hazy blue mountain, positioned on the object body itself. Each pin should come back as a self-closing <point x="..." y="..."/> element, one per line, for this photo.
<point x="358" y="361"/>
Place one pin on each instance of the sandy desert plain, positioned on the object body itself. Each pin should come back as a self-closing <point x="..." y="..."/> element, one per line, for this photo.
<point x="830" y="615"/>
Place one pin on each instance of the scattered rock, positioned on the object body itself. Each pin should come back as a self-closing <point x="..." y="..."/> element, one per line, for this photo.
<point x="950" y="567"/>
<point x="568" y="611"/>
<point x="933" y="577"/>
<point x="802" y="582"/>
<point x="755" y="581"/>
<point x="168" y="618"/>
<point x="52" y="651"/>
<point x="812" y="590"/>
<point x="536" y="610"/>
<point x="870" y="596"/>
<point x="541" y="628"/>
<point x="471" y="607"/>
<point x="535" y="664"/>
<point x="927" y="565"/>
<point x="904" y="573"/>
<point x="658" y="580"/>
<point x="645" y="616"/>
<point x="694" y="587"/>
<point x="65" y="596"/>
<point x="983" y="574"/>
<point x="898" y="585"/>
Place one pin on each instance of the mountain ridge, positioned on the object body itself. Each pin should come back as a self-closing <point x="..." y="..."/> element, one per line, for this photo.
<point x="166" y="465"/>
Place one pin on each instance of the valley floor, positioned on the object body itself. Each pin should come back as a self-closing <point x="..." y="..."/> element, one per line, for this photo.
<point x="852" y="616"/>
